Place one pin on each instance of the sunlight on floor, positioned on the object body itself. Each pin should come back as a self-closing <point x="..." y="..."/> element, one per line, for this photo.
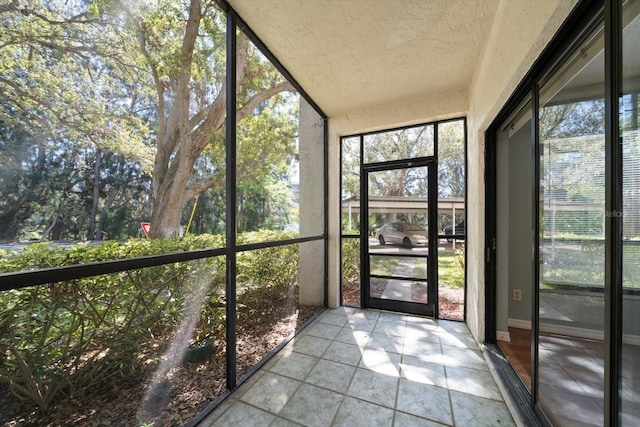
<point x="356" y="367"/>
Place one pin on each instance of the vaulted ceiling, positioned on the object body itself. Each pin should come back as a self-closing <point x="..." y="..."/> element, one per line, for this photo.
<point x="355" y="54"/>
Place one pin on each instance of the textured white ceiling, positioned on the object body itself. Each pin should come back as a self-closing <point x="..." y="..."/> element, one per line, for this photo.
<point x="355" y="54"/>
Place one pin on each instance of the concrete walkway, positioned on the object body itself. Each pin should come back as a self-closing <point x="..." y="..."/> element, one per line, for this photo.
<point x="400" y="289"/>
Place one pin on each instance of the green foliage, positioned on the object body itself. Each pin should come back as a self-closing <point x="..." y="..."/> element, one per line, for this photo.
<point x="92" y="95"/>
<point x="60" y="339"/>
<point x="451" y="269"/>
<point x="567" y="120"/>
<point x="63" y="337"/>
<point x="73" y="99"/>
<point x="383" y="266"/>
<point x="266" y="149"/>
<point x="272" y="268"/>
<point x="573" y="261"/>
<point x="351" y="271"/>
<point x="451" y="159"/>
<point x="351" y="223"/>
<point x="350" y="167"/>
<point x="60" y="191"/>
<point x="400" y="144"/>
<point x="71" y="74"/>
<point x="350" y="262"/>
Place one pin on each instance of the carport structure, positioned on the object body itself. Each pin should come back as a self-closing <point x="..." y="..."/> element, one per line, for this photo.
<point x="398" y="204"/>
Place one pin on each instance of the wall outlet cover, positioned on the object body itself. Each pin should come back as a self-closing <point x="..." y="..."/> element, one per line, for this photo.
<point x="517" y="295"/>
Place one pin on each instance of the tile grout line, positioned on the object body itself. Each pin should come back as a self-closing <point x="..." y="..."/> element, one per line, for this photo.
<point x="333" y="420"/>
<point x="344" y="395"/>
<point x="304" y="381"/>
<point x="400" y="372"/>
<point x="446" y="381"/>
<point x="347" y="326"/>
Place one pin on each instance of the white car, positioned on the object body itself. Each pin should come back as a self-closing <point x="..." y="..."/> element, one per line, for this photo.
<point x="402" y="233"/>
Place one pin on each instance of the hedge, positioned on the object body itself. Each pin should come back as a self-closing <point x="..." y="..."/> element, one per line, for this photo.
<point x="60" y="338"/>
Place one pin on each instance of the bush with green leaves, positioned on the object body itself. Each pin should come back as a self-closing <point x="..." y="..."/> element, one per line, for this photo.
<point x="271" y="268"/>
<point x="63" y="337"/>
<point x="350" y="262"/>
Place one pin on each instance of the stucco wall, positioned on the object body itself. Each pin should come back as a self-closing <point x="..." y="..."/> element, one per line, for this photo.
<point x="520" y="32"/>
<point x="311" y="149"/>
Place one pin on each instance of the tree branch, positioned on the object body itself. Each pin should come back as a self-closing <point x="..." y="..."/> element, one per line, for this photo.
<point x="14" y="7"/>
<point x="164" y="144"/>
<point x="260" y="97"/>
<point x="201" y="186"/>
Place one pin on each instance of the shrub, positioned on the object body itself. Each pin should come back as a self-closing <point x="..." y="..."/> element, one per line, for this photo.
<point x="350" y="262"/>
<point x="268" y="275"/>
<point x="451" y="268"/>
<point x="63" y="337"/>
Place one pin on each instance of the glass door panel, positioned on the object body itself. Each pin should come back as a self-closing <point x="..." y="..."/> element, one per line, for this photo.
<point x="630" y="127"/>
<point x="398" y="233"/>
<point x="570" y="366"/>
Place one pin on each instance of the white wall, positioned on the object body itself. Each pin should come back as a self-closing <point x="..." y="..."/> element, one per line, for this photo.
<point x="311" y="149"/>
<point x="502" y="236"/>
<point x="520" y="230"/>
<point x="514" y="218"/>
<point x="520" y="32"/>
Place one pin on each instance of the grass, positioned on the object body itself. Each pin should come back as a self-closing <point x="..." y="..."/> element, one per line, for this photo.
<point x="386" y="266"/>
<point x="451" y="269"/>
<point x="383" y="266"/>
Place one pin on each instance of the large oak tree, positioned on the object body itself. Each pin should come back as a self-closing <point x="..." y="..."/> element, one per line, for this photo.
<point x="139" y="79"/>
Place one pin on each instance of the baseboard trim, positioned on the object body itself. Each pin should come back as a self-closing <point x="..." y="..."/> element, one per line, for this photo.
<point x="503" y="336"/>
<point x="591" y="334"/>
<point x="520" y="324"/>
<point x="631" y="339"/>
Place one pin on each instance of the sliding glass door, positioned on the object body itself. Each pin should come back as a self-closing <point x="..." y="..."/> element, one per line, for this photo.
<point x="630" y="135"/>
<point x="582" y="103"/>
<point x="571" y="238"/>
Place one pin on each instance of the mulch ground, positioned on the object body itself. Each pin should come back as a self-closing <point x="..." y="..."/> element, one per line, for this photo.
<point x="450" y="304"/>
<point x="192" y="385"/>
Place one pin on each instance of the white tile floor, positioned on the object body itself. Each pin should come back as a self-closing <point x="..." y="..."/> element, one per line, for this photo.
<point x="356" y="367"/>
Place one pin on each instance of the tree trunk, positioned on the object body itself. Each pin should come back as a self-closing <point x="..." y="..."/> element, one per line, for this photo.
<point x="109" y="200"/>
<point x="165" y="220"/>
<point x="9" y="223"/>
<point x="91" y="229"/>
<point x="13" y="214"/>
<point x="181" y="138"/>
<point x="169" y="200"/>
